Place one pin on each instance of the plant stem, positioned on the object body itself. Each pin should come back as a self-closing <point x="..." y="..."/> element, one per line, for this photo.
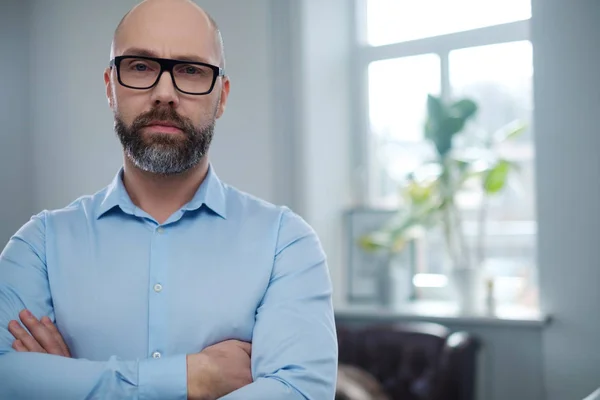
<point x="482" y="229"/>
<point x="449" y="234"/>
<point x="463" y="247"/>
<point x="451" y="219"/>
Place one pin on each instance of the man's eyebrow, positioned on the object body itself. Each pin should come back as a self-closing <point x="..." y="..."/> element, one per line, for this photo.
<point x="134" y="51"/>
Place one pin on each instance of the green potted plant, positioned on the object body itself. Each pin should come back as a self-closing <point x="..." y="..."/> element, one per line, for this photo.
<point x="429" y="193"/>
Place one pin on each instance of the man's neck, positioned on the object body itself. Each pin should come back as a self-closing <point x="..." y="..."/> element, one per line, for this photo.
<point x="161" y="196"/>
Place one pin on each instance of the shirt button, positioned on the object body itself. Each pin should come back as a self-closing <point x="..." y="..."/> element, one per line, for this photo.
<point x="160" y="230"/>
<point x="156" y="354"/>
<point x="157" y="287"/>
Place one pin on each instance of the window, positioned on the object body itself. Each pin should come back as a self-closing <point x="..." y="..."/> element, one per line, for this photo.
<point x="451" y="48"/>
<point x="394" y="21"/>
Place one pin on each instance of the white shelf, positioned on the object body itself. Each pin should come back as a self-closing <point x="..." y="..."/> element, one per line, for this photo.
<point x="445" y="312"/>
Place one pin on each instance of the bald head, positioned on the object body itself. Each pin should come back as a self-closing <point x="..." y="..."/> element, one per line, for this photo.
<point x="174" y="15"/>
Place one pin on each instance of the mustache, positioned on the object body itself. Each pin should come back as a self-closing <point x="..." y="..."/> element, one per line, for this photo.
<point x="165" y="115"/>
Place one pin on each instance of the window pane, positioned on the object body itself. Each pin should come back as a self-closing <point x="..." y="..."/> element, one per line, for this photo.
<point x="398" y="90"/>
<point x="393" y="21"/>
<point x="499" y="78"/>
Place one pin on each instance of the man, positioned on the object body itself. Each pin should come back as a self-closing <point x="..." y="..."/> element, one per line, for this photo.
<point x="167" y="284"/>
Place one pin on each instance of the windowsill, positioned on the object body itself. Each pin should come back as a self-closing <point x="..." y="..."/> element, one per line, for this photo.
<point x="445" y="312"/>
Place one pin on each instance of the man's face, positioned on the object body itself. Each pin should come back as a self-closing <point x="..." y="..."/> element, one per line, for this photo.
<point x="163" y="130"/>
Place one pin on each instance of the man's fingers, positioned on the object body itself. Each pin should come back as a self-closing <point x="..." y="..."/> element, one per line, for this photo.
<point x="57" y="336"/>
<point x="19" y="346"/>
<point x="41" y="333"/>
<point x="247" y="347"/>
<point x="43" y="337"/>
<point x="24" y="337"/>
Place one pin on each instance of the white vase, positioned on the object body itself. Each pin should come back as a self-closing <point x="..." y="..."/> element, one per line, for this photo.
<point x="402" y="282"/>
<point x="469" y="290"/>
<point x="394" y="283"/>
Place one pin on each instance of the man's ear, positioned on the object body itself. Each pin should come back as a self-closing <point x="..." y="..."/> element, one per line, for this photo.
<point x="108" y="85"/>
<point x="224" y="95"/>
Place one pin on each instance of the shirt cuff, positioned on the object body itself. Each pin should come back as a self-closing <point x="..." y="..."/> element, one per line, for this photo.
<point x="163" y="378"/>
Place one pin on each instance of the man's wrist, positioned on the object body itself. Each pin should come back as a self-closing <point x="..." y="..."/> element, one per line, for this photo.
<point x="197" y="377"/>
<point x="162" y="378"/>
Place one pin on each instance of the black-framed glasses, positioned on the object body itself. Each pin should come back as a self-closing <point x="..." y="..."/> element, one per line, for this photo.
<point x="138" y="72"/>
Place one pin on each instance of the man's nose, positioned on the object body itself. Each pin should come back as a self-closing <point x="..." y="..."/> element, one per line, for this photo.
<point x="165" y="92"/>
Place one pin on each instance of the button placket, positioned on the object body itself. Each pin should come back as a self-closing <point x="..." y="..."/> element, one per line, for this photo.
<point x="157" y="302"/>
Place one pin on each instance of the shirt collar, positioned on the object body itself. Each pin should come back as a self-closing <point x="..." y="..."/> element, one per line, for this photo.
<point x="211" y="193"/>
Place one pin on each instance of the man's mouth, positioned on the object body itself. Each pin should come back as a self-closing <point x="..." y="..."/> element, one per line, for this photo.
<point x="163" y="127"/>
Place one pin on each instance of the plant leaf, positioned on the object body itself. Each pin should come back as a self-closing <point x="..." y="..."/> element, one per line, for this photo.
<point x="436" y="114"/>
<point x="418" y="194"/>
<point x="464" y="109"/>
<point x="496" y="178"/>
<point x="435" y="109"/>
<point x="453" y="125"/>
<point x="510" y="131"/>
<point x="398" y="245"/>
<point x="374" y="241"/>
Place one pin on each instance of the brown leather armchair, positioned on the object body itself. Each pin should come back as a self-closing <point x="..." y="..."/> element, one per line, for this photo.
<point x="412" y="361"/>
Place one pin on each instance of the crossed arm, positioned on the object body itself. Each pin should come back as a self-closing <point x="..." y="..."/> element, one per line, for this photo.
<point x="205" y="371"/>
<point x="295" y="363"/>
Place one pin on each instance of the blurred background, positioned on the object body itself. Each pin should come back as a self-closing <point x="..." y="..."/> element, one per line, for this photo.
<point x="327" y="115"/>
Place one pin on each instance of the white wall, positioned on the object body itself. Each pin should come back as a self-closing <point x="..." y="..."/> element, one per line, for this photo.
<point x="244" y="151"/>
<point x="321" y="36"/>
<point x="15" y="148"/>
<point x="76" y="150"/>
<point x="566" y="37"/>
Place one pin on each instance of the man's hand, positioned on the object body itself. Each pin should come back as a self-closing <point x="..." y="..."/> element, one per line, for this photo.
<point x="219" y="370"/>
<point x="44" y="337"/>
<point x="214" y="372"/>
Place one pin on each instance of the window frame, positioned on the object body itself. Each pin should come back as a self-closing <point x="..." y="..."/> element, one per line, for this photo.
<point x="363" y="54"/>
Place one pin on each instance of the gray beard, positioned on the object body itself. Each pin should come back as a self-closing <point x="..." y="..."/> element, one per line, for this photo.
<point x="164" y="154"/>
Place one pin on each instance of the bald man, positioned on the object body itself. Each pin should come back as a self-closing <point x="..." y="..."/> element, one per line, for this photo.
<point x="168" y="283"/>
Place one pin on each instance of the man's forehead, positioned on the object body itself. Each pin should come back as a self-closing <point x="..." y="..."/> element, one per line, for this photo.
<point x="183" y="47"/>
<point x="161" y="29"/>
<point x="148" y="52"/>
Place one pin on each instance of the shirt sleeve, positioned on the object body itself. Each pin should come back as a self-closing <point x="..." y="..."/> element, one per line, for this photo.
<point x="24" y="284"/>
<point x="294" y="344"/>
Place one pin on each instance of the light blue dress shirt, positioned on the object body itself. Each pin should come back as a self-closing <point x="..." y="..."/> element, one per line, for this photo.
<point x="132" y="297"/>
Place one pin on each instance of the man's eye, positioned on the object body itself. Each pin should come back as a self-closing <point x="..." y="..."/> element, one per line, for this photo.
<point x="191" y="70"/>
